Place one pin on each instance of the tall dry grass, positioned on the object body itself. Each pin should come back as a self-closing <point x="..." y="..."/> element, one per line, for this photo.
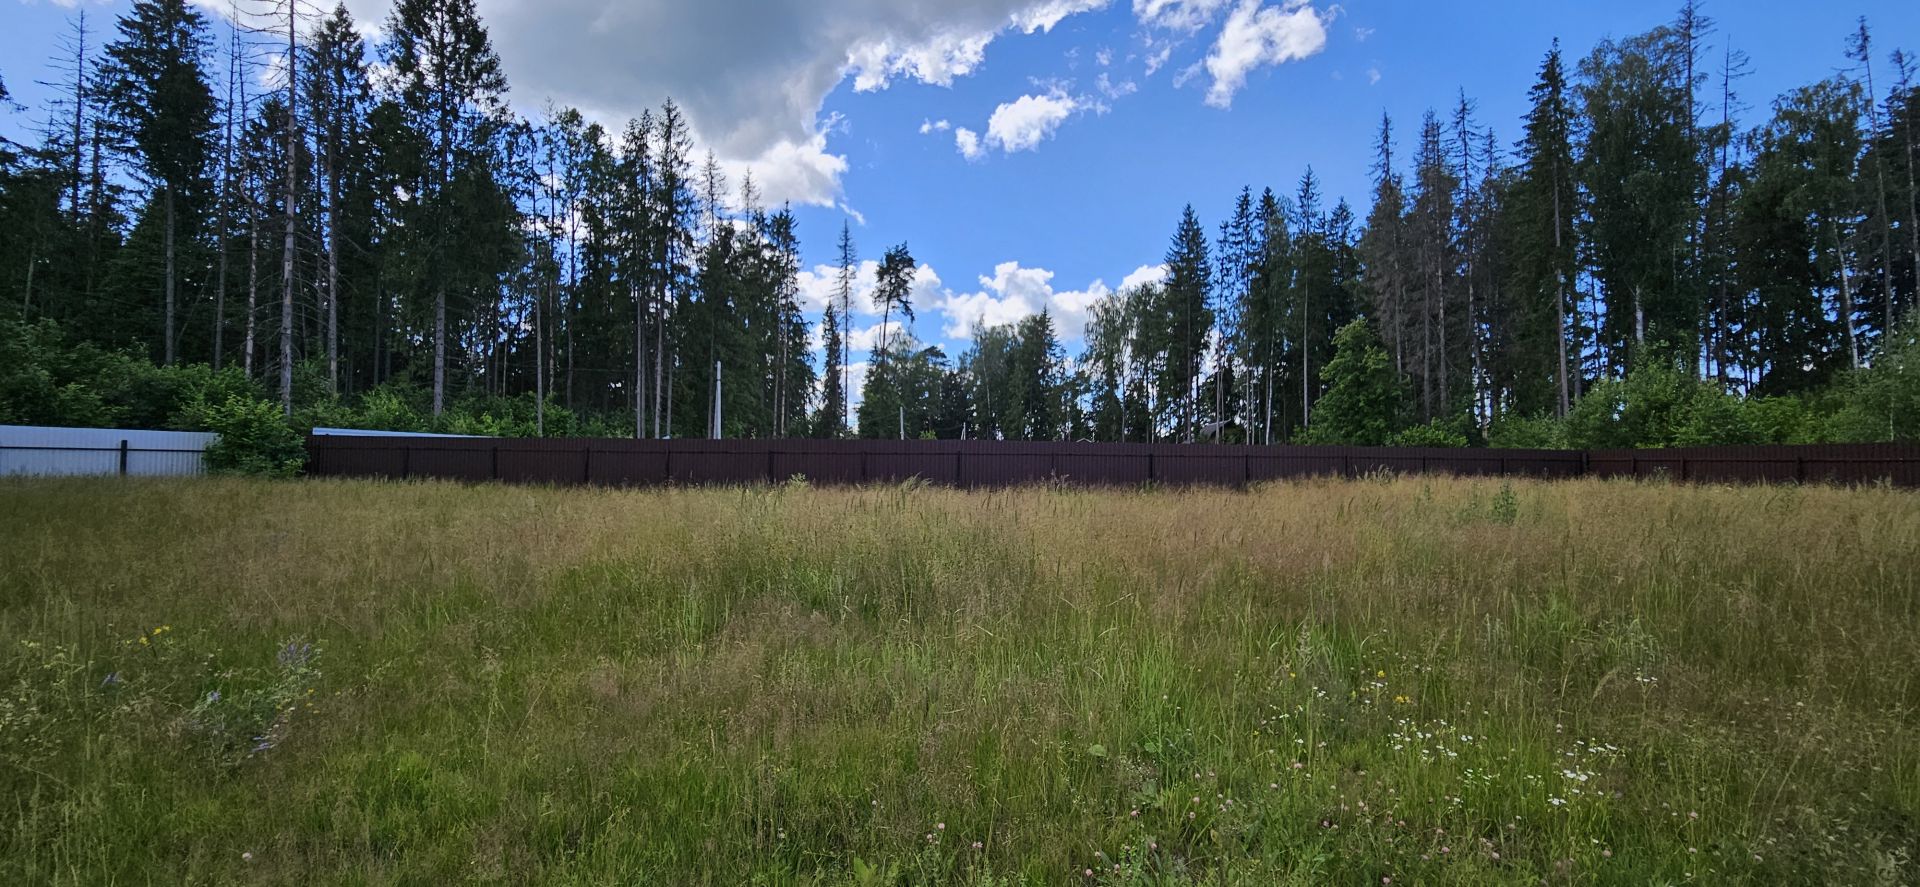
<point x="1429" y="681"/>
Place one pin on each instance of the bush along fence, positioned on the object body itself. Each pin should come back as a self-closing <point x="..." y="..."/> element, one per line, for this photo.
<point x="989" y="463"/>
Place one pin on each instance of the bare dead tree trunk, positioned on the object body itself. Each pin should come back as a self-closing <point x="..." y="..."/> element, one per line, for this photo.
<point x="1880" y="180"/>
<point x="167" y="325"/>
<point x="1846" y="298"/>
<point x="640" y="365"/>
<point x="226" y="204"/>
<point x="330" y="170"/>
<point x="1560" y="295"/>
<point x="253" y="282"/>
<point x="292" y="214"/>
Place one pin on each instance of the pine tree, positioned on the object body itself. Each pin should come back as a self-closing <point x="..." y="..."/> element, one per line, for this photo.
<point x="892" y="373"/>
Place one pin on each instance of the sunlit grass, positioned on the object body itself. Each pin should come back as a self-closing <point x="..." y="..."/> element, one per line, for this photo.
<point x="1424" y="680"/>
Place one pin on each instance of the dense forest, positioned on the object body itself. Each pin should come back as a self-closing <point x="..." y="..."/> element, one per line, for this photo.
<point x="377" y="240"/>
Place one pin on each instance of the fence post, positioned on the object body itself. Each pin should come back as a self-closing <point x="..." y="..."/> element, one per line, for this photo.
<point x="406" y="461"/>
<point x="493" y="472"/>
<point x="586" y="464"/>
<point x="123" y="458"/>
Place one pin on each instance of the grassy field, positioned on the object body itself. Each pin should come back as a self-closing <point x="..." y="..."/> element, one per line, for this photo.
<point x="1404" y="681"/>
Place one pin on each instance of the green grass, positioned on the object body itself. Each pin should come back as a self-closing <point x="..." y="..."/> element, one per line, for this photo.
<point x="1433" y="681"/>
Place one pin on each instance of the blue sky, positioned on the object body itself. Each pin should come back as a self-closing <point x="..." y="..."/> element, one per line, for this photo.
<point x="826" y="101"/>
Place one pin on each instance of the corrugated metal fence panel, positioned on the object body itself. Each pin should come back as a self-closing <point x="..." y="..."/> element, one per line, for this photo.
<point x="1835" y="463"/>
<point x="819" y="461"/>
<point x="991" y="463"/>
<point x="933" y="461"/>
<point x="41" y="451"/>
<point x="1118" y="465"/>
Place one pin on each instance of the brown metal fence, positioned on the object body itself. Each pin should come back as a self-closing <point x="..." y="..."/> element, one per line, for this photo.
<point x="989" y="463"/>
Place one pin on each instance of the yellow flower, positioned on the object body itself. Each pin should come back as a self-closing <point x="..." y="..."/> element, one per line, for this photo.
<point x="1380" y="674"/>
<point x="143" y="640"/>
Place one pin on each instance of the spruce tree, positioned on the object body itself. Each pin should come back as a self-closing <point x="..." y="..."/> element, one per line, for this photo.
<point x="451" y="87"/>
<point x="162" y="110"/>
<point x="1543" y="207"/>
<point x="830" y="421"/>
<point x="338" y="94"/>
<point x="1187" y="316"/>
<point x="848" y="273"/>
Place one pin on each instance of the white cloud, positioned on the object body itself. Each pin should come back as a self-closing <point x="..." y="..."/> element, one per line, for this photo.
<point x="1104" y="57"/>
<point x="1043" y="16"/>
<point x="856" y="384"/>
<point x="1025" y="122"/>
<point x="1177" y="15"/>
<point x="1114" y="90"/>
<point x="968" y="142"/>
<point x="1014" y="292"/>
<point x="1373" y="76"/>
<point x="762" y="108"/>
<point x="933" y="126"/>
<point x="1255" y="36"/>
<point x="1144" y="275"/>
<point x="868" y="338"/>
<point x="1159" y="59"/>
<point x="820" y="287"/>
<point x="937" y="61"/>
<point x="1360" y="35"/>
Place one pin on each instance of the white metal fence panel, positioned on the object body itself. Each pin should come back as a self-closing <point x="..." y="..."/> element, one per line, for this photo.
<point x="32" y="450"/>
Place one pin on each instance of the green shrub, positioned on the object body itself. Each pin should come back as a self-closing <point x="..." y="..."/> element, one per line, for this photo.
<point x="255" y="438"/>
<point x="1882" y="403"/>
<point x="1522" y="433"/>
<point x="1659" y="406"/>
<point x="1438" y="433"/>
<point x="1364" y="394"/>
